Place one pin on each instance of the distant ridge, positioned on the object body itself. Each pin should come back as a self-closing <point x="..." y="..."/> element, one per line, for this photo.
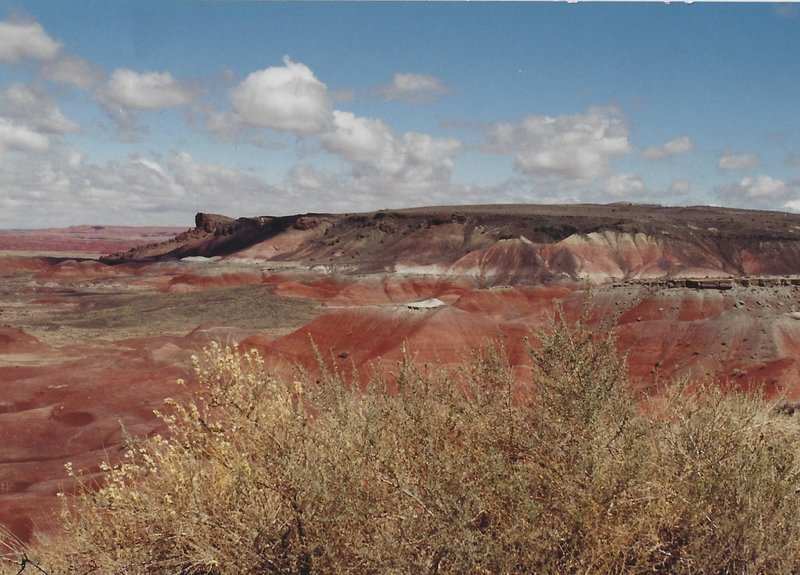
<point x="505" y="243"/>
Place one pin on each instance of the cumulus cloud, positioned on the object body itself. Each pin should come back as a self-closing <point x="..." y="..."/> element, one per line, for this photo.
<point x="412" y="158"/>
<point x="287" y="98"/>
<point x="676" y="147"/>
<point x="16" y="137"/>
<point x="624" y="185"/>
<point x="73" y="71"/>
<point x="30" y="105"/>
<point x="755" y="192"/>
<point x="361" y="140"/>
<point x="577" y="149"/>
<point x="128" y="93"/>
<point x="737" y="162"/>
<point x="145" y="91"/>
<point x="413" y="88"/>
<point x="26" y="40"/>
<point x="291" y="99"/>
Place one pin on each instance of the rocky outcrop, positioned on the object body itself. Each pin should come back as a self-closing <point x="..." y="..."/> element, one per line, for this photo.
<point x="212" y="235"/>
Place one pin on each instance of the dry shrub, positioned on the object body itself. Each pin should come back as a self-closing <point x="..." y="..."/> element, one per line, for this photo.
<point x="458" y="472"/>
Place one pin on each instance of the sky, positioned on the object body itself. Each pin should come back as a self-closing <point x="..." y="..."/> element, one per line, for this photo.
<point x="144" y="113"/>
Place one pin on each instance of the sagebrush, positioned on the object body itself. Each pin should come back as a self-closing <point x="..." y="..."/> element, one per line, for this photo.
<point x="453" y="471"/>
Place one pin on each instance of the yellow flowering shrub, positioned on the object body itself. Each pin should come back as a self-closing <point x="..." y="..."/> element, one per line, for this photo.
<point x="459" y="471"/>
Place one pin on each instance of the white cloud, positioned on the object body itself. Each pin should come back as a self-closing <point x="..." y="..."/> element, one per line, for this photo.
<point x="287" y="98"/>
<point x="427" y="159"/>
<point x="676" y="147"/>
<point x="59" y="187"/>
<point x="177" y="184"/>
<point x="331" y="191"/>
<point x="412" y="159"/>
<point x="756" y="192"/>
<point x="361" y="140"/>
<point x="16" y="137"/>
<point x="578" y="149"/>
<point x="624" y="185"/>
<point x="73" y="71"/>
<point x="30" y="106"/>
<point x="291" y="99"/>
<point x="26" y="40"/>
<point x="144" y="91"/>
<point x="128" y="93"/>
<point x="680" y="187"/>
<point x="328" y="190"/>
<point x="343" y="95"/>
<point x="413" y="88"/>
<point x="191" y="176"/>
<point x="325" y="191"/>
<point x="737" y="162"/>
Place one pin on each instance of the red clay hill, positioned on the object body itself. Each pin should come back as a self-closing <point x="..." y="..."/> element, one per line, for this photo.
<point x="88" y="345"/>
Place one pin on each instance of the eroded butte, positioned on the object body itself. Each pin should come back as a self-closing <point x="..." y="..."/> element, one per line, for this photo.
<point x="91" y="345"/>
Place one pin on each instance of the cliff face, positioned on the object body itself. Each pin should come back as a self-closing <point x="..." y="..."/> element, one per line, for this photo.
<point x="212" y="235"/>
<point x="506" y="244"/>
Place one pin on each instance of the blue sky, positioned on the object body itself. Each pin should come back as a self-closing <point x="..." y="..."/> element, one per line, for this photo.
<point x="143" y="113"/>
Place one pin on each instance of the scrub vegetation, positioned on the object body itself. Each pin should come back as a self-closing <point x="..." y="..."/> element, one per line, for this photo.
<point x="434" y="471"/>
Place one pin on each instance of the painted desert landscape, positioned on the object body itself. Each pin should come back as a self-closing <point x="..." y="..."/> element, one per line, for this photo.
<point x="399" y="287"/>
<point x="98" y="323"/>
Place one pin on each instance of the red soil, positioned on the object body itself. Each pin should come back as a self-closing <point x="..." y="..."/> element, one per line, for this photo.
<point x="71" y="404"/>
<point x="14" y="340"/>
<point x="82" y="239"/>
<point x="66" y="404"/>
<point x="500" y="275"/>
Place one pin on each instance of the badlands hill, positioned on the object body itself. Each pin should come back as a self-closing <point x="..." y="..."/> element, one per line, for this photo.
<point x="89" y="343"/>
<point x="505" y="244"/>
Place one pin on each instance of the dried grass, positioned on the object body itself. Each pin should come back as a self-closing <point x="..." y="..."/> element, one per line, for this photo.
<point x="457" y="472"/>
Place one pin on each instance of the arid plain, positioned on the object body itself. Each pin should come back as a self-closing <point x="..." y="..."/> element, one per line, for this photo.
<point x="97" y="323"/>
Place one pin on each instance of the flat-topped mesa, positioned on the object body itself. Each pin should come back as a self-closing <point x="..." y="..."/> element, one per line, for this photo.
<point x="506" y="244"/>
<point x="213" y="234"/>
<point x="213" y="222"/>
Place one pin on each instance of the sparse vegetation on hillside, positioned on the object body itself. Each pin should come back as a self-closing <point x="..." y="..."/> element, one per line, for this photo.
<point x="458" y="472"/>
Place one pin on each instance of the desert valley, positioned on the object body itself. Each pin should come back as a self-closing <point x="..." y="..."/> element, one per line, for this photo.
<point x="98" y="323"/>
